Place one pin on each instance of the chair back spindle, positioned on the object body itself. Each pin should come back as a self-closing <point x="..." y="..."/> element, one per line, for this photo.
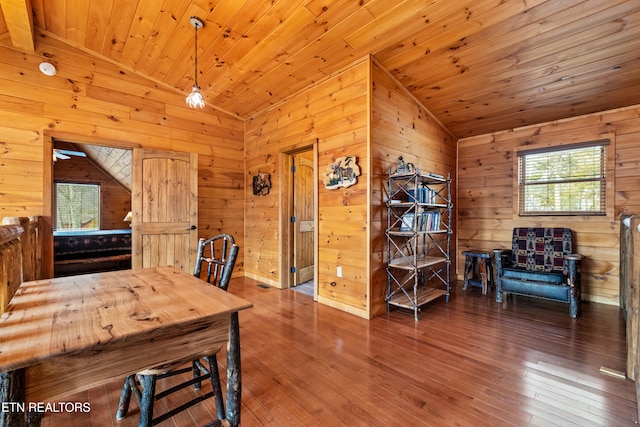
<point x="219" y="253"/>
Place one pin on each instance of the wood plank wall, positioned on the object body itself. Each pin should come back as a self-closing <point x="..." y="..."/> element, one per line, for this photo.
<point x="364" y="112"/>
<point x="93" y="100"/>
<point x="400" y="126"/>
<point x="96" y="100"/>
<point x="487" y="204"/>
<point x="115" y="200"/>
<point x="334" y="113"/>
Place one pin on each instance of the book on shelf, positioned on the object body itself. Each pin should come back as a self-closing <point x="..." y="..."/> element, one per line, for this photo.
<point x="408" y="222"/>
<point x="425" y="195"/>
<point x="429" y="221"/>
<point x="425" y="221"/>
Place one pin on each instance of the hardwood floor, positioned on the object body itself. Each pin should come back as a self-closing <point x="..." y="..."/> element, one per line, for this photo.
<point x="470" y="362"/>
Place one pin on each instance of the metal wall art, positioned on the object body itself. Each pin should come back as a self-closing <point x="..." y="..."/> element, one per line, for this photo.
<point x="341" y="173"/>
<point x="261" y="184"/>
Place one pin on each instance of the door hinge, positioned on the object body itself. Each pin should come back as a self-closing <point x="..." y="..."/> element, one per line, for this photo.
<point x="293" y="269"/>
<point x="293" y="168"/>
<point x="293" y="219"/>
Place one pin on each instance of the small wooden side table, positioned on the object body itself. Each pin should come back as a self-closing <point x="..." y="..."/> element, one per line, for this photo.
<point x="479" y="265"/>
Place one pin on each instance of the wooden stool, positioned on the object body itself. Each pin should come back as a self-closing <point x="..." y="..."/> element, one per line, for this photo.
<point x="476" y="262"/>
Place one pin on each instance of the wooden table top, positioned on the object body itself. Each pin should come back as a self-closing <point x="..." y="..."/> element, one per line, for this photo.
<point x="71" y="315"/>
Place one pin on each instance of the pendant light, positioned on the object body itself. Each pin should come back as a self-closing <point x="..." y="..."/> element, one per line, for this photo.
<point x="195" y="98"/>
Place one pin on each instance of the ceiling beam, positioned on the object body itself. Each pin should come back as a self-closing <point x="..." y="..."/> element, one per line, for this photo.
<point x="19" y="20"/>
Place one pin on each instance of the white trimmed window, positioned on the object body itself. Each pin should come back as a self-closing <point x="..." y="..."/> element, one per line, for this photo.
<point x="567" y="180"/>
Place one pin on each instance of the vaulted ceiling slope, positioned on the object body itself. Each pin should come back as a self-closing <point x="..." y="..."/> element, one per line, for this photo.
<point x="478" y="65"/>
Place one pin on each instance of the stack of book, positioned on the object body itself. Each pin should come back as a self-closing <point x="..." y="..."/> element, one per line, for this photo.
<point x="426" y="221"/>
<point x="425" y="195"/>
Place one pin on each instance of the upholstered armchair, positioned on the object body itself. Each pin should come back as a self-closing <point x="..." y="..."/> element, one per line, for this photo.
<point x="540" y="264"/>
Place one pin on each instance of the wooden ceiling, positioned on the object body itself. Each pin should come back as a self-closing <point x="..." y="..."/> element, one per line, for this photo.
<point x="478" y="65"/>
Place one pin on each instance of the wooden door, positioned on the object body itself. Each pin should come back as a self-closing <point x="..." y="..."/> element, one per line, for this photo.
<point x="165" y="209"/>
<point x="303" y="227"/>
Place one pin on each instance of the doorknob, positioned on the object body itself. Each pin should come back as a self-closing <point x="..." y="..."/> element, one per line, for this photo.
<point x="193" y="227"/>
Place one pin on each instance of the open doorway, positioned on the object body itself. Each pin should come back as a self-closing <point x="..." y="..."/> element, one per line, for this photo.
<point x="91" y="201"/>
<point x="300" y="209"/>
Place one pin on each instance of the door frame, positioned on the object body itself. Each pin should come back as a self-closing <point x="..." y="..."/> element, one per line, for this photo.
<point x="286" y="212"/>
<point x="47" y="185"/>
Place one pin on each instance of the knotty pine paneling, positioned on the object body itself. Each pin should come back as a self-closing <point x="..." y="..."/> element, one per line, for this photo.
<point x="479" y="65"/>
<point x="333" y="113"/>
<point x="400" y="126"/>
<point x="351" y="221"/>
<point x="487" y="206"/>
<point x="97" y="100"/>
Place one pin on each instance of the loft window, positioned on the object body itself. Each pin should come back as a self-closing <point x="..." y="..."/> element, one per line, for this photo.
<point x="567" y="180"/>
<point x="77" y="206"/>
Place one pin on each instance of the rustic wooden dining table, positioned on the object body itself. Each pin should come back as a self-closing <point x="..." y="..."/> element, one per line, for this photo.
<point x="64" y="335"/>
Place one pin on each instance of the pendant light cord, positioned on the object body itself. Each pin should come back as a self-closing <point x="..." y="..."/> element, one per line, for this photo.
<point x="196" y="57"/>
<point x="195" y="98"/>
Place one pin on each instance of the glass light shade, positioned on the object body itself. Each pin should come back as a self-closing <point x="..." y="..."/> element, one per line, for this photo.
<point x="195" y="98"/>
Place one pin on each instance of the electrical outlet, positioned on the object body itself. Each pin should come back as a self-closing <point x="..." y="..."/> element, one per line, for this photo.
<point x="339" y="271"/>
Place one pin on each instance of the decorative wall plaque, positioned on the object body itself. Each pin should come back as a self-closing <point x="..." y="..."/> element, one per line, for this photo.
<point x="341" y="173"/>
<point x="261" y="184"/>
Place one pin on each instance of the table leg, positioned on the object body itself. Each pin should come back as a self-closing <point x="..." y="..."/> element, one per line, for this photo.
<point x="468" y="265"/>
<point x="34" y="419"/>
<point x="234" y="380"/>
<point x="148" y="383"/>
<point x="12" y="393"/>
<point x="482" y="271"/>
<point x="490" y="279"/>
<point x="15" y="411"/>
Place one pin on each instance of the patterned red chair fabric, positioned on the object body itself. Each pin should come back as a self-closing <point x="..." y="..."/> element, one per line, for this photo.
<point x="541" y="264"/>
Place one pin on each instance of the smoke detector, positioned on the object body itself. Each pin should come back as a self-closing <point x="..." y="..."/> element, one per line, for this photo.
<point x="47" y="69"/>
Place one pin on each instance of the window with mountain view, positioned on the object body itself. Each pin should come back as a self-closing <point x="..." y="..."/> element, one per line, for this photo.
<point x="563" y="181"/>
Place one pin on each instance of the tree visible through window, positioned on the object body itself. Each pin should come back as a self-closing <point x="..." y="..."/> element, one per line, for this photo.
<point x="77" y="206"/>
<point x="565" y="181"/>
